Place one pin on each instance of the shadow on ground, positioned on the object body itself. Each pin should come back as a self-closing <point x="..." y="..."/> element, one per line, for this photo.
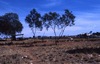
<point x="85" y="50"/>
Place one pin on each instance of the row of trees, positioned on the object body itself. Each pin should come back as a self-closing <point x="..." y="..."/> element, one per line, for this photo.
<point x="51" y="20"/>
<point x="10" y="24"/>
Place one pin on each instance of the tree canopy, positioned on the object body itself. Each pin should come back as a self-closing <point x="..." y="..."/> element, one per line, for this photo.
<point x="51" y="20"/>
<point x="56" y="21"/>
<point x="67" y="19"/>
<point x="33" y="20"/>
<point x="10" y="24"/>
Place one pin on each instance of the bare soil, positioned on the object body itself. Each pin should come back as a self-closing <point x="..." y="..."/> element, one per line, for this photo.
<point x="83" y="52"/>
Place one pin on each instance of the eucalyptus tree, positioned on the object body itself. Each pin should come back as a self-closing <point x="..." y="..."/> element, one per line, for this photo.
<point x="10" y="24"/>
<point x="58" y="22"/>
<point x="50" y="20"/>
<point x="67" y="19"/>
<point x="34" y="21"/>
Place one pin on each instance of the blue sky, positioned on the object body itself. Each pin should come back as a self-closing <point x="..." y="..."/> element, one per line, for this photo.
<point x="87" y="13"/>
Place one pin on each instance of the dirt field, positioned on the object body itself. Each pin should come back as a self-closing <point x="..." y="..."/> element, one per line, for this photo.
<point x="83" y="52"/>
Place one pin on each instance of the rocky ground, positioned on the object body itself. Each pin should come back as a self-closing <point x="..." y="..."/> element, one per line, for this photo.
<point x="49" y="53"/>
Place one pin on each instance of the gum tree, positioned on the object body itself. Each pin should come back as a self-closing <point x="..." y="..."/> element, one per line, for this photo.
<point x="10" y="24"/>
<point x="50" y="20"/>
<point x="34" y="22"/>
<point x="59" y="22"/>
<point x="67" y="19"/>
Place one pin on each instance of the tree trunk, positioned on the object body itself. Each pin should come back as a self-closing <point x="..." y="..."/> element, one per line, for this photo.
<point x="13" y="36"/>
<point x="34" y="33"/>
<point x="55" y="36"/>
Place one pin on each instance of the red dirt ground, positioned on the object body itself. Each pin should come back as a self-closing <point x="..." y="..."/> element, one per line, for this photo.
<point x="85" y="52"/>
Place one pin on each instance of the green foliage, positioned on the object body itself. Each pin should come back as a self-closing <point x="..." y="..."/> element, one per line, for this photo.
<point x="55" y="21"/>
<point x="10" y="24"/>
<point x="33" y="19"/>
<point x="50" y="20"/>
<point x="67" y="19"/>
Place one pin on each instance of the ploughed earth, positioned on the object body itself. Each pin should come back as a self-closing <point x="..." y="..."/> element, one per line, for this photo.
<point x="83" y="52"/>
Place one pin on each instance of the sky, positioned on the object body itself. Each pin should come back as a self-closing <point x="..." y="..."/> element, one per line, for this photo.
<point x="87" y="13"/>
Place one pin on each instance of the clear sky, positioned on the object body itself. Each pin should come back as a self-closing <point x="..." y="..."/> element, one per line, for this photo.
<point x="87" y="13"/>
